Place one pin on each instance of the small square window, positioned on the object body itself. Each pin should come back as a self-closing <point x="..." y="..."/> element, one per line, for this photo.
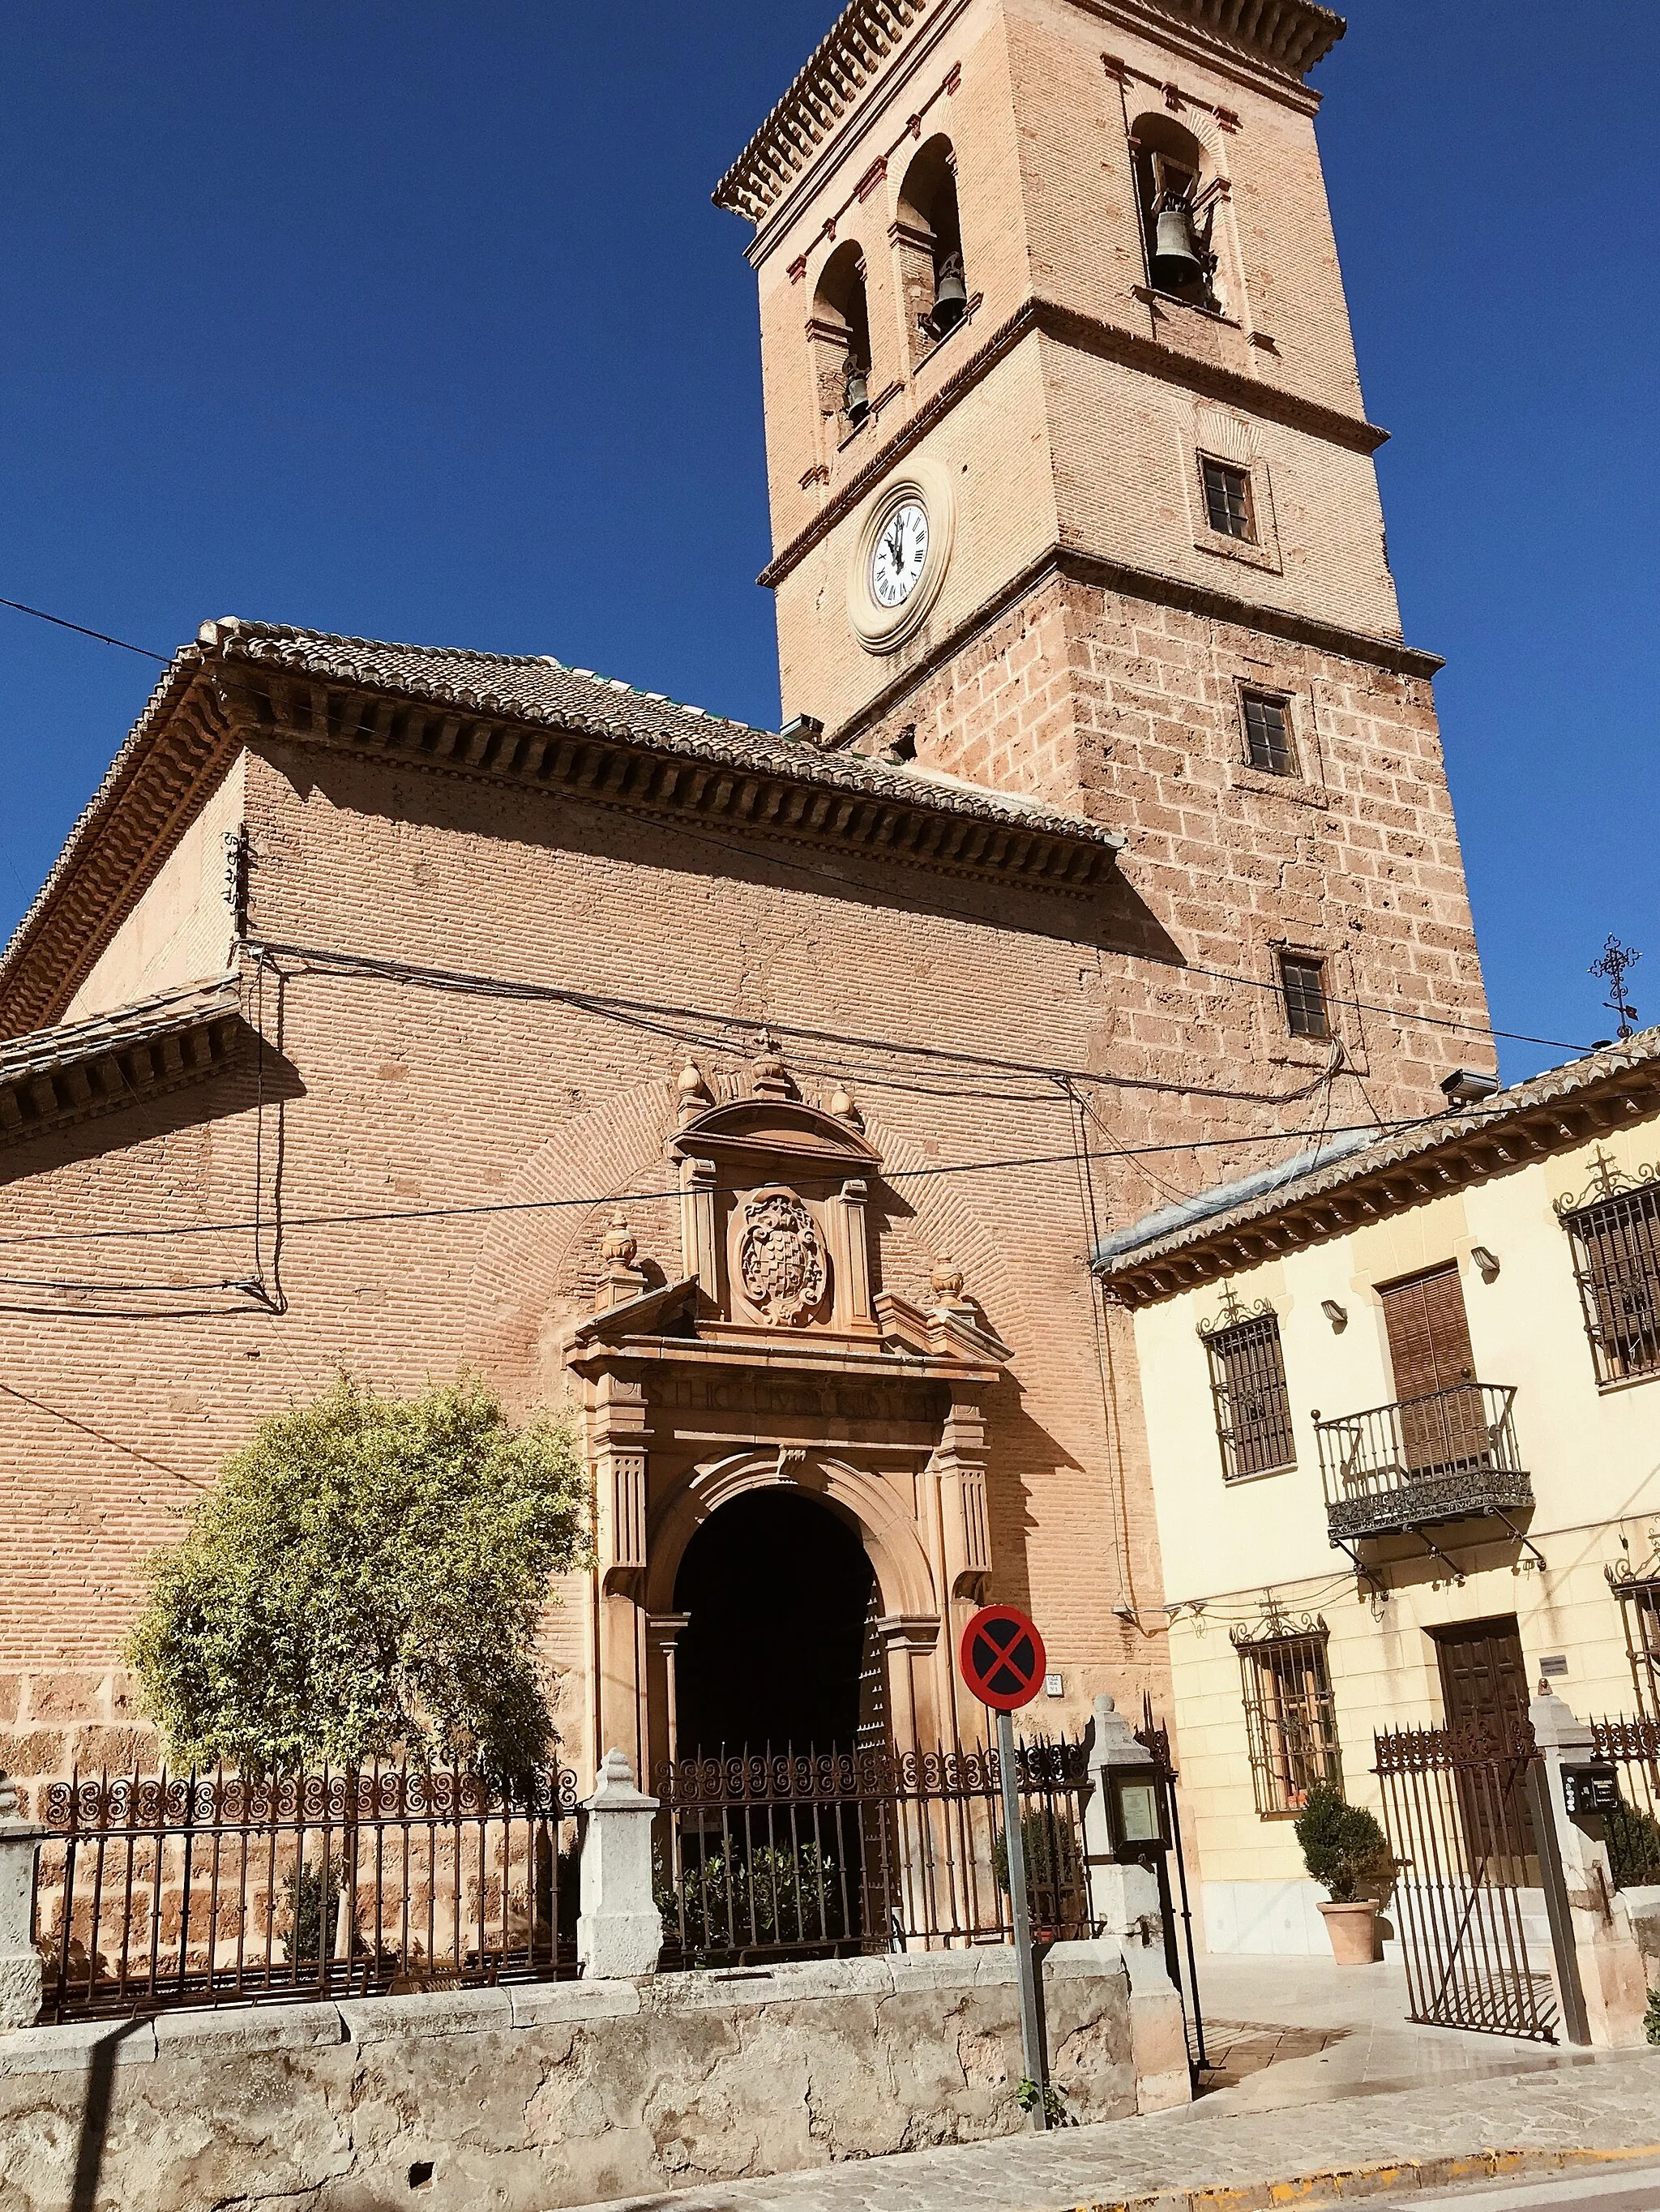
<point x="1268" y="735"/>
<point x="1304" y="985"/>
<point x="1227" y="500"/>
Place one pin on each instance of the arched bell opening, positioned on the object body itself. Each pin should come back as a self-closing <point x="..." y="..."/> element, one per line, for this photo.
<point x="777" y="1595"/>
<point x="1176" y="187"/>
<point x="840" y="334"/>
<point x="929" y="233"/>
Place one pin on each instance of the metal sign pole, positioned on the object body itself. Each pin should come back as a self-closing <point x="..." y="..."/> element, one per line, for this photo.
<point x="1031" y="2033"/>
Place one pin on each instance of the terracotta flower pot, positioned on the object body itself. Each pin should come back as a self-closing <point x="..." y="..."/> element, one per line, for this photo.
<point x="1354" y="1932"/>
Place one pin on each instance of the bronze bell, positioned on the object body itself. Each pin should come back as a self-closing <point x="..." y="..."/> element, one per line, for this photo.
<point x="857" y="401"/>
<point x="950" y="294"/>
<point x="1176" y="262"/>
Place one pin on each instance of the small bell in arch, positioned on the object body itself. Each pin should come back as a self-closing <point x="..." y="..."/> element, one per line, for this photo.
<point x="1175" y="259"/>
<point x="856" y="403"/>
<point x="950" y="294"/>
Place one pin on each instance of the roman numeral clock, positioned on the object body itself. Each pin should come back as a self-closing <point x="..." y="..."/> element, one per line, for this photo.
<point x="900" y="556"/>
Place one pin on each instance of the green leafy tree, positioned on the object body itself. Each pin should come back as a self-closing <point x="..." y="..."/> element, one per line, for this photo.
<point x="1343" y="1847"/>
<point x="367" y="1579"/>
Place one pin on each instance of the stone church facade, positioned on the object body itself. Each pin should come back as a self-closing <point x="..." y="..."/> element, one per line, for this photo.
<point x="763" y="1096"/>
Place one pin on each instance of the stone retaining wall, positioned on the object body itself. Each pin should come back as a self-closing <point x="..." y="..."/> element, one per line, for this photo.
<point x="561" y="2093"/>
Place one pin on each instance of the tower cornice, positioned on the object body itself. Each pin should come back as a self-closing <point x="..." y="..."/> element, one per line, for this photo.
<point x="1108" y="341"/>
<point x="1284" y="38"/>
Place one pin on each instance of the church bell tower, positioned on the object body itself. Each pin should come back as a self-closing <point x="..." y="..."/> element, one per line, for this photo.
<point x="1072" y="489"/>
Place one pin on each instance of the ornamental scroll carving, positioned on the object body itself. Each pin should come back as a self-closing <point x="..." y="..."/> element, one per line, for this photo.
<point x="781" y="1259"/>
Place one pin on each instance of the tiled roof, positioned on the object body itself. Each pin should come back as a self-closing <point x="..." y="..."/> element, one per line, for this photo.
<point x="520" y="717"/>
<point x="62" y="1074"/>
<point x="534" y="689"/>
<point x="1454" y="1147"/>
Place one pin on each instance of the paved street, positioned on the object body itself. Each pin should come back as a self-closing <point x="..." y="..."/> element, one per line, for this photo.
<point x="1637" y="2192"/>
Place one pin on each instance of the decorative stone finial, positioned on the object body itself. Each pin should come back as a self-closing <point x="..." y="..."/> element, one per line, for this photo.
<point x="946" y="1282"/>
<point x="769" y="1078"/>
<point x="619" y="1280"/>
<point x="692" y="1091"/>
<point x="845" y="1107"/>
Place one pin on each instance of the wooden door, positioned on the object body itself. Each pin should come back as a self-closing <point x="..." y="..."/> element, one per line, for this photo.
<point x="1484" y="1689"/>
<point x="1442" y="1419"/>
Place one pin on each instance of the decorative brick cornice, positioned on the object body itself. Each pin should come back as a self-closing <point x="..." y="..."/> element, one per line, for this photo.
<point x="1616" y="1087"/>
<point x="124" y="832"/>
<point x="524" y="720"/>
<point x="1108" y="342"/>
<point x="57" y="1076"/>
<point x="1286" y="36"/>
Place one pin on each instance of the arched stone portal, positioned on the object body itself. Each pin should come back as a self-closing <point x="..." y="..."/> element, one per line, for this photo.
<point x="775" y="1591"/>
<point x="769" y="1362"/>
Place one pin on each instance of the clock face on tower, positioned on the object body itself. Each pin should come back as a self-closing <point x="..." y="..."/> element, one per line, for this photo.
<point x="900" y="555"/>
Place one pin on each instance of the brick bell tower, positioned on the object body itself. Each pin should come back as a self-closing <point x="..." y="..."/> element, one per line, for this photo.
<point x="1073" y="494"/>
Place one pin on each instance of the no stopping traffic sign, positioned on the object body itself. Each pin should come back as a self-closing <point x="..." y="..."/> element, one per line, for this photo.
<point x="1002" y="1658"/>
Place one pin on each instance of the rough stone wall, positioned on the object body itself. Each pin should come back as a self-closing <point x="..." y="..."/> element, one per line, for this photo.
<point x="553" y="2096"/>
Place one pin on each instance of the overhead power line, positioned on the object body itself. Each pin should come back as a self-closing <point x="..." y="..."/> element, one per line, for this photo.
<point x="486" y="1207"/>
<point x="81" y="630"/>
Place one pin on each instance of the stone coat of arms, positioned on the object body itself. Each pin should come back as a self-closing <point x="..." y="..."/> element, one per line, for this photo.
<point x="780" y="1258"/>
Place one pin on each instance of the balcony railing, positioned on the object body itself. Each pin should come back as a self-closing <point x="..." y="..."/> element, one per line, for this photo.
<point x="1449" y="1456"/>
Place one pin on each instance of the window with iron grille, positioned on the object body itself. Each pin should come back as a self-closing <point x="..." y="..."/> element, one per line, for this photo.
<point x="1291" y="1719"/>
<point x="1267" y="734"/>
<point x="1639" y="1614"/>
<point x="1228" y="504"/>
<point x="1248" y="1387"/>
<point x="1304" y="982"/>
<point x="1616" y="1261"/>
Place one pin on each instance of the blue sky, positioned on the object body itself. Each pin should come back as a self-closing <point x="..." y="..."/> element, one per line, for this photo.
<point x="416" y="321"/>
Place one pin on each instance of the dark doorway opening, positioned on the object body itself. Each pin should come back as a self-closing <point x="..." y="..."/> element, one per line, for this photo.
<point x="780" y="1595"/>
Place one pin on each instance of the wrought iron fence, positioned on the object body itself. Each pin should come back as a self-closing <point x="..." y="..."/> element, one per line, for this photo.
<point x="783" y="1854"/>
<point x="1434" y="1458"/>
<point x="153" y="1892"/>
<point x="1468" y="1889"/>
<point x="1632" y="1743"/>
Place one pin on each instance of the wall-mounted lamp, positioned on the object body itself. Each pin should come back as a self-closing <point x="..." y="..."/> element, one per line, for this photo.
<point x="1486" y="1262"/>
<point x="1336" y="1315"/>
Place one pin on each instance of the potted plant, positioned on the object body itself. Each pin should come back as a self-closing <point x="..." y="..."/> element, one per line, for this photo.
<point x="1348" y="1855"/>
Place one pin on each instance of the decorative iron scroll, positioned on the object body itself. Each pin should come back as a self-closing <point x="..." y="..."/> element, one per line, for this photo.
<point x="849" y="1777"/>
<point x="1233" y="1312"/>
<point x="1275" y="1628"/>
<point x="108" y="1804"/>
<point x="1607" y="1181"/>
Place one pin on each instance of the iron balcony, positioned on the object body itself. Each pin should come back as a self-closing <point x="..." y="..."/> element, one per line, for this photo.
<point x="1449" y="1456"/>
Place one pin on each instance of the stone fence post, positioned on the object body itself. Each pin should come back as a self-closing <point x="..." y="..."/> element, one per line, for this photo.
<point x="1598" y="1937"/>
<point x="1124" y="1902"/>
<point x="619" y="1931"/>
<point x="21" y="1979"/>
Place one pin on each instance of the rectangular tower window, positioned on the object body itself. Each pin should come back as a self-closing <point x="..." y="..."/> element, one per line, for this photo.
<point x="1304" y="985"/>
<point x="1268" y="735"/>
<point x="1228" y="500"/>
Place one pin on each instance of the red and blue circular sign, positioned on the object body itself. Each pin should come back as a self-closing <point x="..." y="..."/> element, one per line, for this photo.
<point x="1002" y="1658"/>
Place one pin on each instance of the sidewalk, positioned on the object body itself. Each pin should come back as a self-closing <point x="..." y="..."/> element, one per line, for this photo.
<point x="1313" y="2112"/>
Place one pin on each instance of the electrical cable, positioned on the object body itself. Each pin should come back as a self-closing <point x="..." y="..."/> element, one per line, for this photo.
<point x="650" y="1197"/>
<point x="115" y="1443"/>
<point x="81" y="630"/>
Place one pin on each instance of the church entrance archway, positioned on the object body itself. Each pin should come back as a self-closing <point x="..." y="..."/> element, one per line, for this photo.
<point x="779" y="1649"/>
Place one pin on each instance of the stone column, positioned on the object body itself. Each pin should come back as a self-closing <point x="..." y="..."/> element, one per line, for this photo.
<point x="21" y="1979"/>
<point x="619" y="1931"/>
<point x="1599" y="1931"/>
<point x="663" y="1632"/>
<point x="1124" y="1902"/>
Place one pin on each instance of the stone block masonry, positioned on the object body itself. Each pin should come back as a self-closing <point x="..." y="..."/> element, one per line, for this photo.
<point x="557" y="2094"/>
